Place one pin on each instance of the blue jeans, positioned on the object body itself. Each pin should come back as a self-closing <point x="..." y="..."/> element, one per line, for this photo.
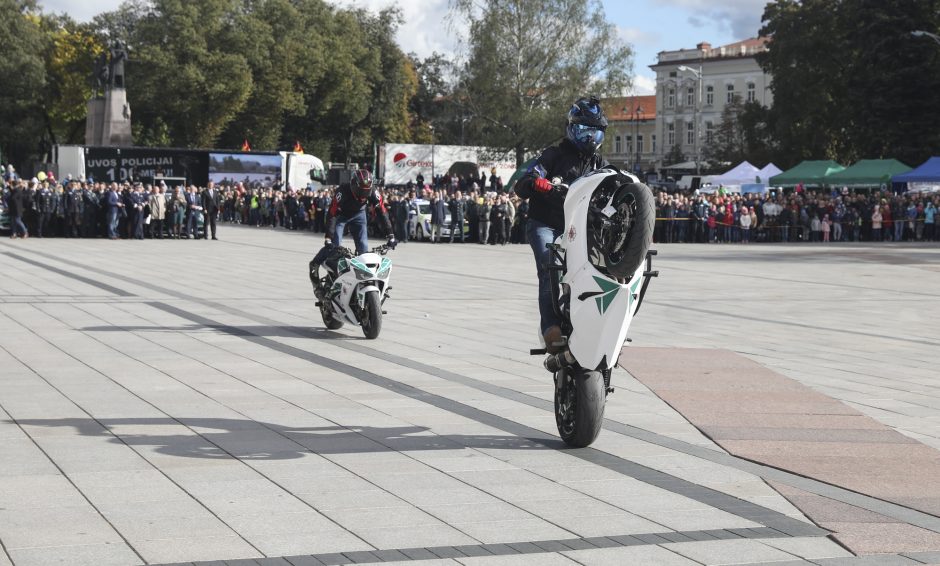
<point x="539" y="235"/>
<point x="358" y="228"/>
<point x="113" y="222"/>
<point x="19" y="227"/>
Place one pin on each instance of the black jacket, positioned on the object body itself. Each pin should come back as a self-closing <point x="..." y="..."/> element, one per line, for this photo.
<point x="347" y="205"/>
<point x="563" y="160"/>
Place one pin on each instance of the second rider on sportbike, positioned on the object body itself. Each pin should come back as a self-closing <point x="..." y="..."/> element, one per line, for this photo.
<point x="349" y="208"/>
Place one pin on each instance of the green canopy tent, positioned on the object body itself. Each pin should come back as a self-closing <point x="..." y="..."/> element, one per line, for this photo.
<point x="519" y="173"/>
<point x="810" y="173"/>
<point x="868" y="173"/>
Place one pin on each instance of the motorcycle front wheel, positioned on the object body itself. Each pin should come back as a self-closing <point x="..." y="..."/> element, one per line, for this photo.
<point x="579" y="405"/>
<point x="372" y="315"/>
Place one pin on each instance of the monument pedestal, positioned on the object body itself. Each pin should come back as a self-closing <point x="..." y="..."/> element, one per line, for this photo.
<point x="109" y="120"/>
<point x="95" y="121"/>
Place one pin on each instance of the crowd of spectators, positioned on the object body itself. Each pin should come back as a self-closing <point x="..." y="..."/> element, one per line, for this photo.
<point x="451" y="209"/>
<point x="804" y="216"/>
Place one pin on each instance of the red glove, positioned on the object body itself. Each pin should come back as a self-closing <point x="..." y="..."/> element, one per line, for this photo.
<point x="542" y="185"/>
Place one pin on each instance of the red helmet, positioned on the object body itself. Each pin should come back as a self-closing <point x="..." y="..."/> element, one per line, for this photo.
<point x="361" y="183"/>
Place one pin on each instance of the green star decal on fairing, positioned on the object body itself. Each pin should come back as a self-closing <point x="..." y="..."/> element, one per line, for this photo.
<point x="634" y="290"/>
<point x="609" y="290"/>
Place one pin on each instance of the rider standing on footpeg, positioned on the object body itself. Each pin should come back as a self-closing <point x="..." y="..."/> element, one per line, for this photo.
<point x="560" y="164"/>
<point x="349" y="208"/>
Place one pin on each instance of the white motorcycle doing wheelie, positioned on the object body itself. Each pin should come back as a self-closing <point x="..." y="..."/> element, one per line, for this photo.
<point x="600" y="268"/>
<point x="354" y="289"/>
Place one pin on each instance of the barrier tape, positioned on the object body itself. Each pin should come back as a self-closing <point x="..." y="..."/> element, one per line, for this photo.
<point x="844" y="224"/>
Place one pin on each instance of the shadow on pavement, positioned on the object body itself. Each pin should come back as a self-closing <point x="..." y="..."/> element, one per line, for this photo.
<point x="265" y="331"/>
<point x="219" y="438"/>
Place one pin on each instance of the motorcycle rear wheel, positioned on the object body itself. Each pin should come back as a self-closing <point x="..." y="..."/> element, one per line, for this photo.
<point x="329" y="319"/>
<point x="626" y="249"/>
<point x="372" y="315"/>
<point x="579" y="405"/>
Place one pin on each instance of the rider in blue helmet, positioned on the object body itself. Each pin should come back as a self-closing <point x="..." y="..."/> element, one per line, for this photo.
<point x="586" y="125"/>
<point x="565" y="162"/>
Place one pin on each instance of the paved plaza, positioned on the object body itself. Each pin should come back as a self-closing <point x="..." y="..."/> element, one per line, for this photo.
<point x="167" y="402"/>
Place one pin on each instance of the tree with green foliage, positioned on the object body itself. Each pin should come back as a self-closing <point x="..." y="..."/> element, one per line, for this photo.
<point x="849" y="80"/>
<point x="69" y="54"/>
<point x="674" y="155"/>
<point x="742" y="135"/>
<point x="433" y="103"/>
<point x="183" y="79"/>
<point x="23" y="80"/>
<point x="528" y="61"/>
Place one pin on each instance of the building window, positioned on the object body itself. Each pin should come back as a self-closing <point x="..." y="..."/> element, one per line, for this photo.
<point x="709" y="95"/>
<point x="639" y="143"/>
<point x="751" y="92"/>
<point x="709" y="132"/>
<point x="617" y="146"/>
<point x="690" y="97"/>
<point x="689" y="133"/>
<point x="729" y="98"/>
<point x="629" y="144"/>
<point x="654" y="142"/>
<point x="671" y="134"/>
<point x="671" y="99"/>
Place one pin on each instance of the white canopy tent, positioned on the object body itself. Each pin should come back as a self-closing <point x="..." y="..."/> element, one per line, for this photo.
<point x="742" y="174"/>
<point x="767" y="172"/>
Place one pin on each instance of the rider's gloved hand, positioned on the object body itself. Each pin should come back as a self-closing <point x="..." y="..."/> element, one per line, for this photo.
<point x="327" y="242"/>
<point x="542" y="185"/>
<point x="392" y="242"/>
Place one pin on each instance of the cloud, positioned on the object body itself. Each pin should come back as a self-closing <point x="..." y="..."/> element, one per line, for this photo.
<point x="637" y="36"/>
<point x="644" y="85"/>
<point x="424" y="29"/>
<point x="81" y="10"/>
<point x="742" y="18"/>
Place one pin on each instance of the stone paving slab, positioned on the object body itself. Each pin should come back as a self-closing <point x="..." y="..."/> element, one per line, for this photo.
<point x="873" y="459"/>
<point x="228" y="396"/>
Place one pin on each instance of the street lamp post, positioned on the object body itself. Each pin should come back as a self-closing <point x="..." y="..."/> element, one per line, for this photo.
<point x="696" y="112"/>
<point x="431" y="127"/>
<point x="636" y="137"/>
<point x="921" y="33"/>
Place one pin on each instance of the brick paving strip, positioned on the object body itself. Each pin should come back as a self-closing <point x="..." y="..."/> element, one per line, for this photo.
<point x="762" y="416"/>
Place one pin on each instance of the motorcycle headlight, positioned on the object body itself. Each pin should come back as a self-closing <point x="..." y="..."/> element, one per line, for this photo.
<point x="362" y="270"/>
<point x="384" y="268"/>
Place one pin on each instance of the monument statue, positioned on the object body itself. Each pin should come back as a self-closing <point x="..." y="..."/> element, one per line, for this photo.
<point x="109" y="115"/>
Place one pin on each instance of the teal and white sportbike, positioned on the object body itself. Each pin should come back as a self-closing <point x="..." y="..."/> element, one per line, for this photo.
<point x="354" y="289"/>
<point x="600" y="266"/>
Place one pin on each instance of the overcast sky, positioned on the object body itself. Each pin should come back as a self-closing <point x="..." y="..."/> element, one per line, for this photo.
<point x="650" y="26"/>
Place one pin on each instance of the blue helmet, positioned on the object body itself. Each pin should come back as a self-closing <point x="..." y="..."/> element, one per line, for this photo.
<point x="586" y="125"/>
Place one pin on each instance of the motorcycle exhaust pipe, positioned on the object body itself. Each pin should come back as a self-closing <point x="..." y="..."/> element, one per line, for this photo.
<point x="558" y="361"/>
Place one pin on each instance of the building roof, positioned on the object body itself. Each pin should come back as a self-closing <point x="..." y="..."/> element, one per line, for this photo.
<point x="704" y="52"/>
<point x="615" y="105"/>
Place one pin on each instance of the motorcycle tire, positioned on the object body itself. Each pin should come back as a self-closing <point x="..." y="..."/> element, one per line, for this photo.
<point x="626" y="252"/>
<point x="372" y="315"/>
<point x="329" y="319"/>
<point x="579" y="406"/>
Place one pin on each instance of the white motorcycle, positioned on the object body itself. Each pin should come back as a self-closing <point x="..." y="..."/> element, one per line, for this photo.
<point x="600" y="267"/>
<point x="354" y="289"/>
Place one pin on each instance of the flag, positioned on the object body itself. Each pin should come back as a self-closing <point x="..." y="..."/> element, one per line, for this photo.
<point x="245" y="145"/>
<point x="297" y="147"/>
